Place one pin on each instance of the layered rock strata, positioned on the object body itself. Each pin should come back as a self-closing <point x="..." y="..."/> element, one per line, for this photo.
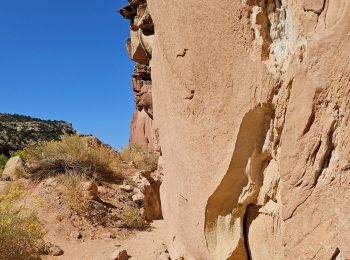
<point x="252" y="103"/>
<point x="139" y="47"/>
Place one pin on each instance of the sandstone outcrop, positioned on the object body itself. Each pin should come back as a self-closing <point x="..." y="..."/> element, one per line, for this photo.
<point x="14" y="168"/>
<point x="139" y="47"/>
<point x="251" y="99"/>
<point x="149" y="184"/>
<point x="17" y="131"/>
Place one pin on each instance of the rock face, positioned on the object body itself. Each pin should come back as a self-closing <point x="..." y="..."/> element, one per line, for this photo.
<point x="149" y="186"/>
<point x="251" y="99"/>
<point x="17" y="131"/>
<point x="139" y="47"/>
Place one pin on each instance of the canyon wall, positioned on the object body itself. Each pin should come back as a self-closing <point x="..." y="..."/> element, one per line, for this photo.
<point x="251" y="99"/>
<point x="139" y="49"/>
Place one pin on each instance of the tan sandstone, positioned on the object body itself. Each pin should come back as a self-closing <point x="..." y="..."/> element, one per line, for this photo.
<point x="14" y="168"/>
<point x="251" y="103"/>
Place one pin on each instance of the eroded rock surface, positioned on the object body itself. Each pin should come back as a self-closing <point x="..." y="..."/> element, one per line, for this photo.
<point x="251" y="99"/>
<point x="139" y="47"/>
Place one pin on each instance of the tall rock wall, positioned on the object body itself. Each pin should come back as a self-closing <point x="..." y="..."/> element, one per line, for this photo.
<point x="139" y="47"/>
<point x="252" y="103"/>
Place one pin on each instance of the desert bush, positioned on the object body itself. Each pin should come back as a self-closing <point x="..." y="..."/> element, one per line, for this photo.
<point x="21" y="153"/>
<point x="21" y="235"/>
<point x="143" y="159"/>
<point x="132" y="217"/>
<point x="3" y="161"/>
<point x="71" y="153"/>
<point x="72" y="192"/>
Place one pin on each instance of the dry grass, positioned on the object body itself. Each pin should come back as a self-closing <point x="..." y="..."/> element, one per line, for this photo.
<point x="72" y="153"/>
<point x="132" y="217"/>
<point x="21" y="235"/>
<point x="72" y="192"/>
<point x="143" y="160"/>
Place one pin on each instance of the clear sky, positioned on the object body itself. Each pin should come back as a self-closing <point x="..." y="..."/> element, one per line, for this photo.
<point x="67" y="60"/>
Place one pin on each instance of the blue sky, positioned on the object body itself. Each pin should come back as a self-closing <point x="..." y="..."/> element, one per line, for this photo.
<point x="67" y="60"/>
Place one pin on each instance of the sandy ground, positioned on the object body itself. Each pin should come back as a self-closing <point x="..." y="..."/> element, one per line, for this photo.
<point x="145" y="245"/>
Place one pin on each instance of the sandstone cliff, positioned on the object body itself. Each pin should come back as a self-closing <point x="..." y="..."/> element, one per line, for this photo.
<point x="139" y="50"/>
<point x="17" y="131"/>
<point x="251" y="99"/>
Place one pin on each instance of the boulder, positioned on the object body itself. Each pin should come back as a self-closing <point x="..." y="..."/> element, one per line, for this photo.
<point x="138" y="196"/>
<point x="15" y="168"/>
<point x="149" y="184"/>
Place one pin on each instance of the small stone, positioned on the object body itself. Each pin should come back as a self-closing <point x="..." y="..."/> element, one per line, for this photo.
<point x="76" y="235"/>
<point x="55" y="250"/>
<point x="126" y="188"/>
<point x="120" y="255"/>
<point x="5" y="178"/>
<point x="97" y="205"/>
<point x="102" y="190"/>
<point x="108" y="235"/>
<point x="138" y="196"/>
<point x="164" y="256"/>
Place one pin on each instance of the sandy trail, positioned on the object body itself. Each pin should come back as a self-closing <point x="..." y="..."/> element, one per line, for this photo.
<point x="145" y="245"/>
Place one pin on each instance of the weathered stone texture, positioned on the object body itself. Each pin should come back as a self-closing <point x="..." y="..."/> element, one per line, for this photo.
<point x="139" y="47"/>
<point x="252" y="103"/>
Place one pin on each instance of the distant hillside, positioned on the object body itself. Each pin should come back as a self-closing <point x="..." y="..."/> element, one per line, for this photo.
<point x="16" y="131"/>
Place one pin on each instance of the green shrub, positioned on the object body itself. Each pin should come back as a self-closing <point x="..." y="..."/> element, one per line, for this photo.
<point x="21" y="235"/>
<point x="143" y="160"/>
<point x="3" y="161"/>
<point x="21" y="153"/>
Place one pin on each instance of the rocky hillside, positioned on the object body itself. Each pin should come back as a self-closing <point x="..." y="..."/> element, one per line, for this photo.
<point x="16" y="131"/>
<point x="251" y="103"/>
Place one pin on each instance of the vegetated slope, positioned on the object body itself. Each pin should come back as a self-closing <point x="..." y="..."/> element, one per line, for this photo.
<point x="86" y="201"/>
<point x="17" y="131"/>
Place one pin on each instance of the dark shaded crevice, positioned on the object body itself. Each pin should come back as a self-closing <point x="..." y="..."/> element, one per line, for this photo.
<point x="314" y="152"/>
<point x="230" y="203"/>
<point x="250" y="215"/>
<point x="310" y="122"/>
<point x="183" y="54"/>
<point x="336" y="254"/>
<point x="327" y="156"/>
